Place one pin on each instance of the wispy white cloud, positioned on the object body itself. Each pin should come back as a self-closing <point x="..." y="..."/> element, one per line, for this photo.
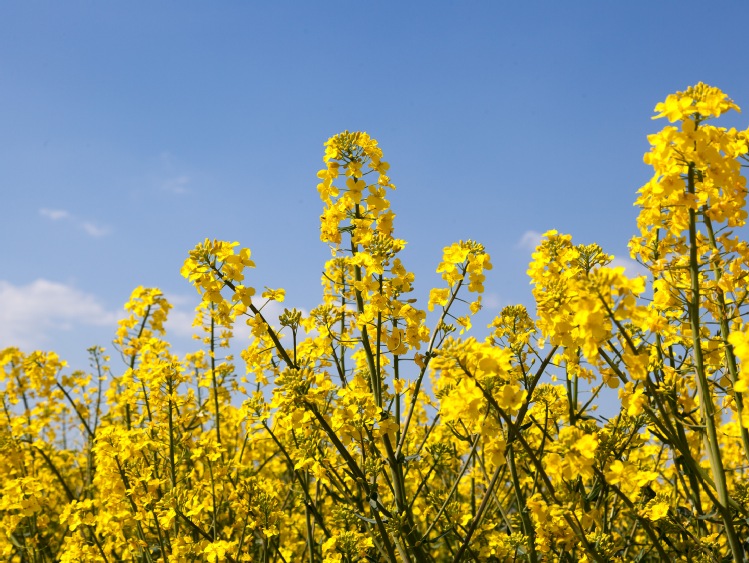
<point x="94" y="230"/>
<point x="33" y="316"/>
<point x="491" y="301"/>
<point x="181" y="315"/>
<point x="179" y="323"/>
<point x="176" y="185"/>
<point x="30" y="314"/>
<point x="54" y="214"/>
<point x="172" y="177"/>
<point x="529" y="240"/>
<point x="89" y="227"/>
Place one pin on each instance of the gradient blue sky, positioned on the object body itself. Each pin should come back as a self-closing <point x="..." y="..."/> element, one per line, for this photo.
<point x="131" y="131"/>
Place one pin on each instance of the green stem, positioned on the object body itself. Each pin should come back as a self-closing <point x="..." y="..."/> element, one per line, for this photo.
<point x="172" y="464"/>
<point x="521" y="504"/>
<point x="707" y="406"/>
<point x="215" y="383"/>
<point x="422" y="372"/>
<point x="724" y="332"/>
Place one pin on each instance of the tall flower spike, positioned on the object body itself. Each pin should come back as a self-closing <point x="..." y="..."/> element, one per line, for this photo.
<point x="355" y="156"/>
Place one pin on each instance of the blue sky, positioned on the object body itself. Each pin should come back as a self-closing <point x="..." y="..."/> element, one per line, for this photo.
<point x="132" y="131"/>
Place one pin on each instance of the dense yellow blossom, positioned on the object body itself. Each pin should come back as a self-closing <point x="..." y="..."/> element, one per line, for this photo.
<point x="376" y="428"/>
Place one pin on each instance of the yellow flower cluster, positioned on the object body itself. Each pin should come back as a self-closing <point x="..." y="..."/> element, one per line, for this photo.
<point x="371" y="430"/>
<point x="355" y="156"/>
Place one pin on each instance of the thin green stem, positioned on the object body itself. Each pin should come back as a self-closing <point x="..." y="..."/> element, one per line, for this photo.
<point x="707" y="404"/>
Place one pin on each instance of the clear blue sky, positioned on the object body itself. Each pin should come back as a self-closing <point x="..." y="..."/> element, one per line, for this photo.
<point x="131" y="131"/>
